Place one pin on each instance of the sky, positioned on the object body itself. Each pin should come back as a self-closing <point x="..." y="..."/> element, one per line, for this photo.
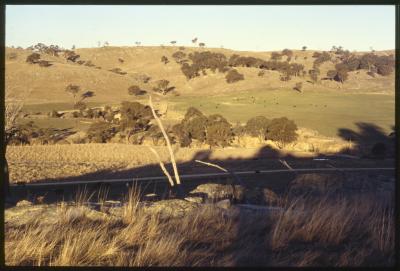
<point x="244" y="28"/>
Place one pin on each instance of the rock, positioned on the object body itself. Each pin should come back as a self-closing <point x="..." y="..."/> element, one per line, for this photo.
<point x="216" y="192"/>
<point x="24" y="203"/>
<point x="170" y="208"/>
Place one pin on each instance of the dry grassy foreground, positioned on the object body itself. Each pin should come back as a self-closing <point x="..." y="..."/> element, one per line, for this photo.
<point x="346" y="231"/>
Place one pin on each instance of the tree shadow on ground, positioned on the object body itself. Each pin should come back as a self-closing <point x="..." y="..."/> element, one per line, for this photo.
<point x="370" y="140"/>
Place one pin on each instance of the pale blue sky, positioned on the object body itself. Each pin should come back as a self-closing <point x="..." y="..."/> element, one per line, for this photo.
<point x="260" y="28"/>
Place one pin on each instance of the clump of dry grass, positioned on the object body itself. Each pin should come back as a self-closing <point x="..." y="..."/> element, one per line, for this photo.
<point x="346" y="230"/>
<point x="135" y="238"/>
<point x="339" y="231"/>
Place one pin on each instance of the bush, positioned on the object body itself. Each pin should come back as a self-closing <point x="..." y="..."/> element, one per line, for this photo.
<point x="178" y="56"/>
<point x="282" y="130"/>
<point x="136" y="91"/>
<point x="162" y="87"/>
<point x="276" y="56"/>
<point x="341" y="72"/>
<point x="44" y="63"/>
<point x="164" y="59"/>
<point x="135" y="116"/>
<point x="101" y="132"/>
<point x="261" y="73"/>
<point x="33" y="58"/>
<point x="194" y="124"/>
<point x="384" y="70"/>
<point x="233" y="76"/>
<point x="181" y="135"/>
<point x="219" y="131"/>
<point x="257" y="127"/>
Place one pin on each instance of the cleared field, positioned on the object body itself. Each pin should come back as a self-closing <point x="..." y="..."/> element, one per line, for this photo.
<point x="325" y="112"/>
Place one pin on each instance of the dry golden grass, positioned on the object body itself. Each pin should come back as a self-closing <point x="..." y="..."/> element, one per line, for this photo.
<point x="348" y="231"/>
<point x="36" y="162"/>
<point x="357" y="228"/>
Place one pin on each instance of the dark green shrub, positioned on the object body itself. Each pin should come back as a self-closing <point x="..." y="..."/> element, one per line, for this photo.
<point x="33" y="58"/>
<point x="194" y="124"/>
<point x="101" y="132"/>
<point x="282" y="130"/>
<point x="218" y="131"/>
<point x="135" y="116"/>
<point x="233" y="76"/>
<point x="181" y="135"/>
<point x="136" y="91"/>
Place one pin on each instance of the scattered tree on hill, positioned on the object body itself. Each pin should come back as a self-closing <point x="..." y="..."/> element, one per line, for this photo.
<point x="233" y="76"/>
<point x="282" y="131"/>
<point x="202" y="44"/>
<point x="257" y="127"/>
<point x="276" y="56"/>
<point x="136" y="91"/>
<point x="73" y="47"/>
<point x="162" y="87"/>
<point x="194" y="40"/>
<point x="164" y="59"/>
<point x="137" y="43"/>
<point x="173" y="42"/>
<point x="179" y="56"/>
<point x="341" y="72"/>
<point x="304" y="48"/>
<point x="288" y="53"/>
<point x="73" y="89"/>
<point x="314" y="74"/>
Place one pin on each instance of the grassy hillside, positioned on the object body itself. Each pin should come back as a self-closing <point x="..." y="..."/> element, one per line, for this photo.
<point x="325" y="106"/>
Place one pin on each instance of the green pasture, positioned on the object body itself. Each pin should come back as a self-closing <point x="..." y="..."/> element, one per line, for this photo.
<point x="325" y="112"/>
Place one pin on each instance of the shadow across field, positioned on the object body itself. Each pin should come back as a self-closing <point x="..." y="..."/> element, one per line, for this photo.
<point x="253" y="243"/>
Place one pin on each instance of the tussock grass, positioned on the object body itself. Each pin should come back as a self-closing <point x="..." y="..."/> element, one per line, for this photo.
<point x="355" y="230"/>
